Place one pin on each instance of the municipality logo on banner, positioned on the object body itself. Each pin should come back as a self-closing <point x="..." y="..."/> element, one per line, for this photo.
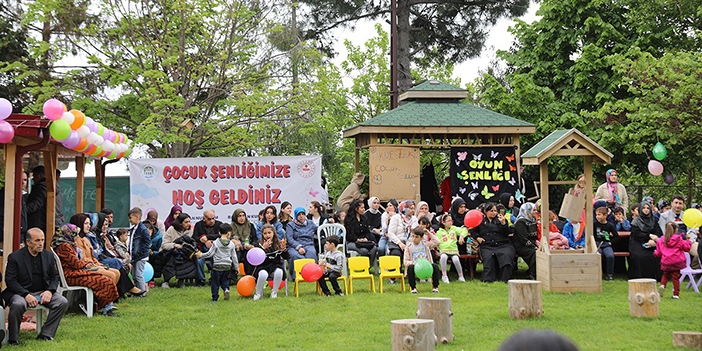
<point x="148" y="172"/>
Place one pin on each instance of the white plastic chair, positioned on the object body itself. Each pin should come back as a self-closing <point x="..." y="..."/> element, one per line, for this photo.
<point x="64" y="287"/>
<point x="690" y="273"/>
<point x="329" y="229"/>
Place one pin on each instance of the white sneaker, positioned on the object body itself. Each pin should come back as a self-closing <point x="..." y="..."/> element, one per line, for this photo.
<point x="675" y="297"/>
<point x="165" y="285"/>
<point x="435" y="290"/>
<point x="274" y="295"/>
<point x="661" y="289"/>
<point x="461" y="279"/>
<point x="256" y="297"/>
<point x="414" y="292"/>
<point x="445" y="279"/>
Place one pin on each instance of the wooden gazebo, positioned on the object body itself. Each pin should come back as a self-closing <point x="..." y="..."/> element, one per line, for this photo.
<point x="433" y="117"/>
<point x="32" y="134"/>
<point x="568" y="270"/>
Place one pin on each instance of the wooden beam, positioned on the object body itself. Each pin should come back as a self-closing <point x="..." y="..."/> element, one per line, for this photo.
<point x="452" y="130"/>
<point x="10" y="152"/>
<point x="50" y="161"/>
<point x="589" y="239"/>
<point x="543" y="170"/>
<point x="572" y="152"/>
<point x="80" y="182"/>
<point x="98" y="185"/>
<point x="518" y="160"/>
<point x="356" y="164"/>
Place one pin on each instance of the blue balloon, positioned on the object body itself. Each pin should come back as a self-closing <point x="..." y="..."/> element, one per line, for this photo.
<point x="148" y="272"/>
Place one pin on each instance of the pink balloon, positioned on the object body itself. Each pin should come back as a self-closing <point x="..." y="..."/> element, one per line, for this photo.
<point x="6" y="132"/>
<point x="53" y="109"/>
<point x="655" y="167"/>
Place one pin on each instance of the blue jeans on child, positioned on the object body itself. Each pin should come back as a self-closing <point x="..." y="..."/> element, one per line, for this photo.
<point x="219" y="279"/>
<point x="138" y="274"/>
<point x="606" y="250"/>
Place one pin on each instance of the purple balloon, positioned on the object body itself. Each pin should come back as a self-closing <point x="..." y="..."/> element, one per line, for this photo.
<point x="91" y="124"/>
<point x="256" y="256"/>
<point x="669" y="179"/>
<point x="5" y="108"/>
<point x="72" y="141"/>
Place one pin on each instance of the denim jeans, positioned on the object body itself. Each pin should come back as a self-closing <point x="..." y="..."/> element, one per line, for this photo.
<point x="382" y="245"/>
<point x="138" y="274"/>
<point x="201" y="269"/>
<point x="606" y="250"/>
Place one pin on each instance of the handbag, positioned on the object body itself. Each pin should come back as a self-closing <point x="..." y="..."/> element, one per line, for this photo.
<point x="368" y="245"/>
<point x="572" y="206"/>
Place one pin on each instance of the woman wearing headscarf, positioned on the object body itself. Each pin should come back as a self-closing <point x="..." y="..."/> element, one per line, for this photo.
<point x="496" y="249"/>
<point x="175" y="212"/>
<point x="511" y="208"/>
<point x="458" y="213"/>
<point x="152" y="217"/>
<point x="423" y="211"/>
<point x="83" y="273"/>
<point x="300" y="238"/>
<point x="613" y="192"/>
<point x="525" y="237"/>
<point x="400" y="227"/>
<point x="645" y="232"/>
<point x="98" y="237"/>
<point x="374" y="218"/>
<point x="358" y="235"/>
<point x="243" y="234"/>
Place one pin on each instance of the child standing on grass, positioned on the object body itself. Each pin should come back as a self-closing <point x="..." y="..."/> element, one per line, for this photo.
<point x="415" y="250"/>
<point x="604" y="233"/>
<point x="449" y="238"/>
<point x="224" y="260"/>
<point x="671" y="249"/>
<point x="332" y="263"/>
<point x="276" y="253"/>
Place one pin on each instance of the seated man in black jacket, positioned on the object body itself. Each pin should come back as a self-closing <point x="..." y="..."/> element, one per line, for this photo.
<point x="206" y="230"/>
<point x="32" y="279"/>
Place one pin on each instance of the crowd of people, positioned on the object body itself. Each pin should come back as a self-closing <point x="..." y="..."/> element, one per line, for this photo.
<point x="93" y="255"/>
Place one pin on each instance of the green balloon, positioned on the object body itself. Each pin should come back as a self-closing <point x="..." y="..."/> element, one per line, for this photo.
<point x="101" y="129"/>
<point x="60" y="129"/>
<point x="423" y="269"/>
<point x="127" y="153"/>
<point x="659" y="151"/>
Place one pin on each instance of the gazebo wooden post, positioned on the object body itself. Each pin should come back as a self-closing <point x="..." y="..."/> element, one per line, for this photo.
<point x="543" y="170"/>
<point x="99" y="191"/>
<point x="589" y="239"/>
<point x="80" y="182"/>
<point x="50" y="161"/>
<point x="10" y="178"/>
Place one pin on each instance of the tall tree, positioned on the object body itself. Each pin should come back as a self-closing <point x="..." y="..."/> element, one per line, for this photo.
<point x="435" y="30"/>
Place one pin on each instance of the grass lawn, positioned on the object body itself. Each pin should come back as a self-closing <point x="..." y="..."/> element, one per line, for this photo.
<point x="186" y="319"/>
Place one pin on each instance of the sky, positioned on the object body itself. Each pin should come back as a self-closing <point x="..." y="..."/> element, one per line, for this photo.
<point x="499" y="39"/>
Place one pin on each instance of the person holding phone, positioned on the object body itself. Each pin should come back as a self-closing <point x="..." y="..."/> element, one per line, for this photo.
<point x="496" y="248"/>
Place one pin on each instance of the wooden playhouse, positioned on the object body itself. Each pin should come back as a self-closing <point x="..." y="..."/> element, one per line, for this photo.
<point x="568" y="270"/>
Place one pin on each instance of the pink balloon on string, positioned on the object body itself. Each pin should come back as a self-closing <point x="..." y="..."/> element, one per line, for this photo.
<point x="655" y="167"/>
<point x="53" y="109"/>
<point x="7" y="132"/>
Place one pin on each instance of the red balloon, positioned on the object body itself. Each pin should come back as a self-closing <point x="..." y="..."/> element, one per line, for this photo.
<point x="282" y="284"/>
<point x="246" y="285"/>
<point x="473" y="219"/>
<point x="311" y="272"/>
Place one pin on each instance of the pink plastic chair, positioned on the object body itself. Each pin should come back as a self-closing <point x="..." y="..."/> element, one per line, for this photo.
<point x="690" y="273"/>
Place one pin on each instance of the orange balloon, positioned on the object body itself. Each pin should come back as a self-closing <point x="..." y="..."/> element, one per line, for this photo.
<point x="246" y="285"/>
<point x="121" y="154"/>
<point x="64" y="108"/>
<point x="79" y="119"/>
<point x="82" y="145"/>
<point x="90" y="149"/>
<point x="102" y="153"/>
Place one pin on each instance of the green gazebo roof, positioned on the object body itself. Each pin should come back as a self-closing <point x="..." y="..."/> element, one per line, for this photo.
<point x="435" y="85"/>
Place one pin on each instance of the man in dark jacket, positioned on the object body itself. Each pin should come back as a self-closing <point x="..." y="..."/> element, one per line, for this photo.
<point x="204" y="232"/>
<point x="32" y="279"/>
<point x="36" y="202"/>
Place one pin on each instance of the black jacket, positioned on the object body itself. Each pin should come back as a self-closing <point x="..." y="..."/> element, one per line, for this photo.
<point x="492" y="231"/>
<point x="200" y="229"/>
<point x="18" y="274"/>
<point x="36" y="206"/>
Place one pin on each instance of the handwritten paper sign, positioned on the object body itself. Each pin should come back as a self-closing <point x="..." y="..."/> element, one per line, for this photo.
<point x="394" y="172"/>
<point x="482" y="174"/>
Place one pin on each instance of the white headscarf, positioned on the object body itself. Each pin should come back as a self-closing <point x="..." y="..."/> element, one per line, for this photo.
<point x="370" y="205"/>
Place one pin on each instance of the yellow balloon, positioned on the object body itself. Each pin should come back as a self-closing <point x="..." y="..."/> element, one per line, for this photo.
<point x="692" y="218"/>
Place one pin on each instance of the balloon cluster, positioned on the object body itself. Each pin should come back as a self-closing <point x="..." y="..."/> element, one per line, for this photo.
<point x="76" y="131"/>
<point x="655" y="167"/>
<point x="6" y="130"/>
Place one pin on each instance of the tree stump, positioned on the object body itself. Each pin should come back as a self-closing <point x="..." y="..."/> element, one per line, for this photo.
<point x="643" y="298"/>
<point x="413" y="334"/>
<point x="439" y="310"/>
<point x="690" y="340"/>
<point x="525" y="299"/>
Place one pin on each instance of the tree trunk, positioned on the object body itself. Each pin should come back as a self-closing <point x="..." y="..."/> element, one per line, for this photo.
<point x="643" y="298"/>
<point x="525" y="299"/>
<point x="413" y="334"/>
<point x="690" y="340"/>
<point x="403" y="47"/>
<point x="439" y="310"/>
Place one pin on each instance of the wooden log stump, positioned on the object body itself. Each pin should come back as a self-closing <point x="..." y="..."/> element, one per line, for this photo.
<point x="439" y="310"/>
<point x="413" y="334"/>
<point x="525" y="299"/>
<point x="643" y="298"/>
<point x="690" y="340"/>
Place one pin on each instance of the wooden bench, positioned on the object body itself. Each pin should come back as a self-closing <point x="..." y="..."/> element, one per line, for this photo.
<point x="471" y="261"/>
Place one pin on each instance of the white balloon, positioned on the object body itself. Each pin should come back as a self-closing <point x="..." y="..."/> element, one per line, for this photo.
<point x="108" y="145"/>
<point x="93" y="138"/>
<point x="99" y="141"/>
<point x="83" y="131"/>
<point x="68" y="117"/>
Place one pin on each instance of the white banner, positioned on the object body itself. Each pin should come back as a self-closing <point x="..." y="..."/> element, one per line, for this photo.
<point x="224" y="184"/>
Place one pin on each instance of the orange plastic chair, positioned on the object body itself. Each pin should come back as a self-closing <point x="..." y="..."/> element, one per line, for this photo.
<point x="359" y="268"/>
<point x="297" y="265"/>
<point x="390" y="268"/>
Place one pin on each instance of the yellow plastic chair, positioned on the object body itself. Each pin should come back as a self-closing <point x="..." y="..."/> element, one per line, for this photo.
<point x="359" y="267"/>
<point x="297" y="265"/>
<point x="390" y="268"/>
<point x="342" y="278"/>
